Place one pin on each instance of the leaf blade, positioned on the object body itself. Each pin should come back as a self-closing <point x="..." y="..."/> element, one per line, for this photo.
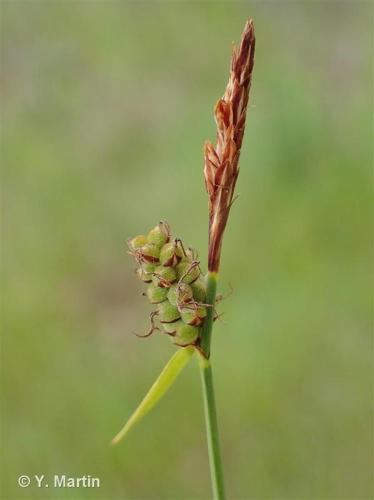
<point x="164" y="381"/>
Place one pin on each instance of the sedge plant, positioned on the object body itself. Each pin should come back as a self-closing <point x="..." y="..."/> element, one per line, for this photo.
<point x="184" y="300"/>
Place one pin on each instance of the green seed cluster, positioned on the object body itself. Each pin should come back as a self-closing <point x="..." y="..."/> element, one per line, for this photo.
<point x="174" y="283"/>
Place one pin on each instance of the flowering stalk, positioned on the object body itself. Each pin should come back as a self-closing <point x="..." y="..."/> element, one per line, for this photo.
<point x="185" y="303"/>
<point x="221" y="172"/>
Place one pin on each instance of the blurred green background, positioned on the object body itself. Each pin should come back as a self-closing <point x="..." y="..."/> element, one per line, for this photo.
<point x="106" y="106"/>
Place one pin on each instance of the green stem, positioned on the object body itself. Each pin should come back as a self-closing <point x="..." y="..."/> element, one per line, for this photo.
<point x="208" y="392"/>
<point x="206" y="334"/>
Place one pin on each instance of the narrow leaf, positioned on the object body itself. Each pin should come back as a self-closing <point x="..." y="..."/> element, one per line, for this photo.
<point x="158" y="389"/>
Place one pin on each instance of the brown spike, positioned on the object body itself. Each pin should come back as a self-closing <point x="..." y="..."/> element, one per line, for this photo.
<point x="221" y="162"/>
